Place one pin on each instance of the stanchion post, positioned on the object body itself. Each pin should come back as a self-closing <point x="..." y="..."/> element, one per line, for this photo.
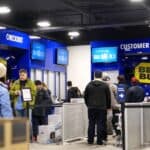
<point x="123" y="125"/>
<point x="27" y="109"/>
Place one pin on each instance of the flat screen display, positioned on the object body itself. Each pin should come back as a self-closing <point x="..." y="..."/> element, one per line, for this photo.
<point x="38" y="51"/>
<point x="62" y="56"/>
<point x="104" y="54"/>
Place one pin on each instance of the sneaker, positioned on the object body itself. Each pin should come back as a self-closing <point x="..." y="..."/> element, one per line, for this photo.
<point x="90" y="142"/>
<point x="99" y="143"/>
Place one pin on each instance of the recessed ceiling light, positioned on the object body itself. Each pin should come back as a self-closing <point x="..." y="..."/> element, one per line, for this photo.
<point x="144" y="58"/>
<point x="2" y="27"/>
<point x="34" y="37"/>
<point x="4" y="10"/>
<point x="73" y="33"/>
<point x="43" y="24"/>
<point x="136" y="0"/>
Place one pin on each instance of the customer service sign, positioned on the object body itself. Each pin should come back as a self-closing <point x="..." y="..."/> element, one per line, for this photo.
<point x="142" y="72"/>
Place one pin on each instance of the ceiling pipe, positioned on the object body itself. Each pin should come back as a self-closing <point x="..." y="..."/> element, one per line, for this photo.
<point x="88" y="27"/>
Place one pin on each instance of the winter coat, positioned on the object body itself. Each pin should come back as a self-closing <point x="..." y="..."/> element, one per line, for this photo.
<point x="5" y="106"/>
<point x="135" y="94"/>
<point x="16" y="86"/>
<point x="97" y="95"/>
<point x="43" y="102"/>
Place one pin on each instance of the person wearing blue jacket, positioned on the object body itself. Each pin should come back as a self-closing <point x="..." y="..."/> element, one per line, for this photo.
<point x="5" y="105"/>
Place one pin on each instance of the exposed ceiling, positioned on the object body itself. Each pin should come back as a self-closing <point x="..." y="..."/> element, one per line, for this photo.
<point x="95" y="19"/>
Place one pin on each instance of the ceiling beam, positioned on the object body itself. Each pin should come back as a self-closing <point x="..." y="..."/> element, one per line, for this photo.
<point x="87" y="27"/>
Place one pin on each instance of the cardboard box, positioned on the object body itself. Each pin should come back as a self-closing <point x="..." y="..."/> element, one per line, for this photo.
<point x="46" y="134"/>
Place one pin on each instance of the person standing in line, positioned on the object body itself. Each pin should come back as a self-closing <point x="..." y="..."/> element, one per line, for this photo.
<point x="46" y="88"/>
<point x="97" y="100"/>
<point x="135" y="93"/>
<point x="72" y="92"/>
<point x="114" y="104"/>
<point x="40" y="112"/>
<point x="23" y="82"/>
<point x="5" y="105"/>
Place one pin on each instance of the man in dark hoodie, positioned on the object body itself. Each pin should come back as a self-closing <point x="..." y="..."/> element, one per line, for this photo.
<point x="97" y="99"/>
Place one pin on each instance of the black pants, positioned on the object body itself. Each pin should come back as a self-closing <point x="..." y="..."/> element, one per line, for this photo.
<point x="36" y="121"/>
<point x="97" y="117"/>
<point x="115" y="120"/>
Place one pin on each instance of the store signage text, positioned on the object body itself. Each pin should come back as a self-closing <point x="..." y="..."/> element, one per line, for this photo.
<point x="14" y="38"/>
<point x="131" y="46"/>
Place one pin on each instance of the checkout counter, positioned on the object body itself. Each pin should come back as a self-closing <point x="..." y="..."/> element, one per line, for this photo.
<point x="137" y="125"/>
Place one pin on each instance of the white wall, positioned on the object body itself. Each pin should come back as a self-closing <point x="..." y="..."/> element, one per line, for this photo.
<point x="79" y="68"/>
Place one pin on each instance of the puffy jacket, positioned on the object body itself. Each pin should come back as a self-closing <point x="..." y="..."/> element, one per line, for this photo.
<point x="135" y="94"/>
<point x="16" y="86"/>
<point x="97" y="95"/>
<point x="5" y="106"/>
<point x="42" y="102"/>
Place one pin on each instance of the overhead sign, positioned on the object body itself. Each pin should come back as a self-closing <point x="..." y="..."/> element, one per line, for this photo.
<point x="15" y="39"/>
<point x="142" y="72"/>
<point x="132" y="46"/>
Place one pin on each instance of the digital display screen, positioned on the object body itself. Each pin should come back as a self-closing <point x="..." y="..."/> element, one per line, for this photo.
<point x="38" y="51"/>
<point x="62" y="56"/>
<point x="104" y="54"/>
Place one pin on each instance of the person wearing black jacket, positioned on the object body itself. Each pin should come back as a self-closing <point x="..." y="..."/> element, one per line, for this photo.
<point x="135" y="93"/>
<point x="40" y="112"/>
<point x="98" y="101"/>
<point x="72" y="92"/>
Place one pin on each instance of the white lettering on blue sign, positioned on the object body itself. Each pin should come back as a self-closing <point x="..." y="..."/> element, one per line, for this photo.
<point x="121" y="95"/>
<point x="14" y="38"/>
<point x="130" y="46"/>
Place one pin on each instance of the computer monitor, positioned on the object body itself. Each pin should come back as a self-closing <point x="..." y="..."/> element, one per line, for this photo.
<point x="37" y="51"/>
<point x="104" y="54"/>
<point x="62" y="56"/>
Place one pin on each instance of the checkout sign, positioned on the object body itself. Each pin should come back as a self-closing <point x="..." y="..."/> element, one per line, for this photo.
<point x="142" y="72"/>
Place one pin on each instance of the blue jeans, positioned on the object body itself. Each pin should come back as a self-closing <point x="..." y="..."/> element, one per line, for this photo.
<point x="21" y="113"/>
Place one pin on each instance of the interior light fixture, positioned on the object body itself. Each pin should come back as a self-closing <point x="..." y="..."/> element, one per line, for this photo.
<point x="136" y="0"/>
<point x="2" y="27"/>
<point x="43" y="24"/>
<point x="144" y="58"/>
<point x="34" y="37"/>
<point x="4" y="10"/>
<point x="74" y="33"/>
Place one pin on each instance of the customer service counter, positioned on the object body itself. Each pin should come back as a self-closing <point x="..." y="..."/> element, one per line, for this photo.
<point x="137" y="125"/>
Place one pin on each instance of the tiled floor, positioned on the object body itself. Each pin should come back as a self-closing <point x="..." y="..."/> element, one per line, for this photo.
<point x="73" y="146"/>
<point x="79" y="145"/>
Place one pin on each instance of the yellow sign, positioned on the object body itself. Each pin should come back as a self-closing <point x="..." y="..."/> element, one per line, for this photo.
<point x="142" y="72"/>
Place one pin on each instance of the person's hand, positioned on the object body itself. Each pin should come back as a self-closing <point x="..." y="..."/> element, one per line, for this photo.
<point x="17" y="92"/>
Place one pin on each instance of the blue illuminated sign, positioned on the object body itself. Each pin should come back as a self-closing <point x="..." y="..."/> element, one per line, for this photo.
<point x="38" y="51"/>
<point x="15" y="39"/>
<point x="62" y="56"/>
<point x="121" y="93"/>
<point x="104" y="54"/>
